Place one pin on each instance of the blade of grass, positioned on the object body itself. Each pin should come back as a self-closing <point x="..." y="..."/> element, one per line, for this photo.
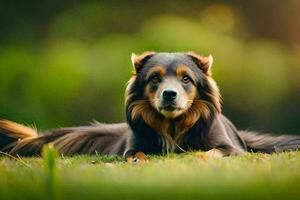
<point x="49" y="154"/>
<point x="15" y="158"/>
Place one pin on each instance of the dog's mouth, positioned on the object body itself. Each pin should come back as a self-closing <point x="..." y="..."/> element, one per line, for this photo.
<point x="169" y="108"/>
<point x="170" y="111"/>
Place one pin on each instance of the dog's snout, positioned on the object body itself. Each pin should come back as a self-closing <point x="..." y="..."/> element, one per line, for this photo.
<point x="169" y="95"/>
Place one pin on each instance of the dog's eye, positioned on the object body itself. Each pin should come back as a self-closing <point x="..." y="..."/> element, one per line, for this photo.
<point x="186" y="79"/>
<point x="155" y="79"/>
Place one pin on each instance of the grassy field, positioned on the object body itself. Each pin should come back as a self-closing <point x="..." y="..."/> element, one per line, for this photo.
<point x="185" y="176"/>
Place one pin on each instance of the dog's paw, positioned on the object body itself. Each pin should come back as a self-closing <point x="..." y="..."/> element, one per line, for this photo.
<point x="214" y="153"/>
<point x="138" y="158"/>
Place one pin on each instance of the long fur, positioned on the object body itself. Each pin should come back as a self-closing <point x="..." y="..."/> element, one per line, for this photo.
<point x="108" y="139"/>
<point x="268" y="143"/>
<point x="10" y="132"/>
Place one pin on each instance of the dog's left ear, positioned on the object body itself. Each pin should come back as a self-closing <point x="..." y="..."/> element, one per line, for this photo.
<point x="139" y="60"/>
<point x="204" y="63"/>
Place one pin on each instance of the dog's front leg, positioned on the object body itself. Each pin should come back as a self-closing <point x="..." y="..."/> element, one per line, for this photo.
<point x="136" y="157"/>
<point x="224" y="150"/>
<point x="214" y="153"/>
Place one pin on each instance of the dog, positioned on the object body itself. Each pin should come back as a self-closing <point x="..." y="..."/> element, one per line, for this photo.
<point x="172" y="105"/>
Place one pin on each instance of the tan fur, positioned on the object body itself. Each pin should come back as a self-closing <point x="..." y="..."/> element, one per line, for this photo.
<point x="15" y="130"/>
<point x="182" y="70"/>
<point x="156" y="69"/>
<point x="143" y="109"/>
<point x="139" y="157"/>
<point x="147" y="93"/>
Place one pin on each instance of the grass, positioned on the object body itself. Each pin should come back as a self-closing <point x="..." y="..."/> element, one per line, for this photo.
<point x="184" y="176"/>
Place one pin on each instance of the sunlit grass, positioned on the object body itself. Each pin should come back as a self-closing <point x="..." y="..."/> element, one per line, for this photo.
<point x="185" y="176"/>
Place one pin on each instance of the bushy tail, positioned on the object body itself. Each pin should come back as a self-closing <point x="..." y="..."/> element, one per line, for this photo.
<point x="267" y="143"/>
<point x="16" y="137"/>
<point x="11" y="132"/>
<point x="17" y="131"/>
<point x="108" y="139"/>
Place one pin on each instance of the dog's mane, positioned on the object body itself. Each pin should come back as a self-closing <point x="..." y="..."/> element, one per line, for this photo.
<point x="203" y="109"/>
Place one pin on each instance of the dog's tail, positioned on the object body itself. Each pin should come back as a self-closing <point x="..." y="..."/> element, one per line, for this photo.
<point x="108" y="139"/>
<point x="18" y="139"/>
<point x="11" y="133"/>
<point x="267" y="143"/>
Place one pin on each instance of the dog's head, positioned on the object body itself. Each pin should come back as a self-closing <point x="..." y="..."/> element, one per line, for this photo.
<point x="171" y="86"/>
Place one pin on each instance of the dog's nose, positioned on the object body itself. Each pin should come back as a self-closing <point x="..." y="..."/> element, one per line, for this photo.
<point x="169" y="95"/>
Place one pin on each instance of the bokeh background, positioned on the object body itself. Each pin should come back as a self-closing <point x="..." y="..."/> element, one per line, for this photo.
<point x="66" y="63"/>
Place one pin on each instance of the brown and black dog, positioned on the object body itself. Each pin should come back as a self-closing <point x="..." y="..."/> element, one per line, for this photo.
<point x="172" y="105"/>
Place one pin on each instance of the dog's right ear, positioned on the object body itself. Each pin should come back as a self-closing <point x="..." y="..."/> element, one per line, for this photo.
<point x="139" y="60"/>
<point x="204" y="63"/>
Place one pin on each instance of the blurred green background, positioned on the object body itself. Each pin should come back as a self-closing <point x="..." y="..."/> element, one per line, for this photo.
<point x="65" y="63"/>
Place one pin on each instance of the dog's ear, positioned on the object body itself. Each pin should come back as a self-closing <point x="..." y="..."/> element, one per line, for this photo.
<point x="204" y="63"/>
<point x="139" y="60"/>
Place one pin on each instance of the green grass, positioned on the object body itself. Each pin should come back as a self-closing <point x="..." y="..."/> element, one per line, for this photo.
<point x="184" y="176"/>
